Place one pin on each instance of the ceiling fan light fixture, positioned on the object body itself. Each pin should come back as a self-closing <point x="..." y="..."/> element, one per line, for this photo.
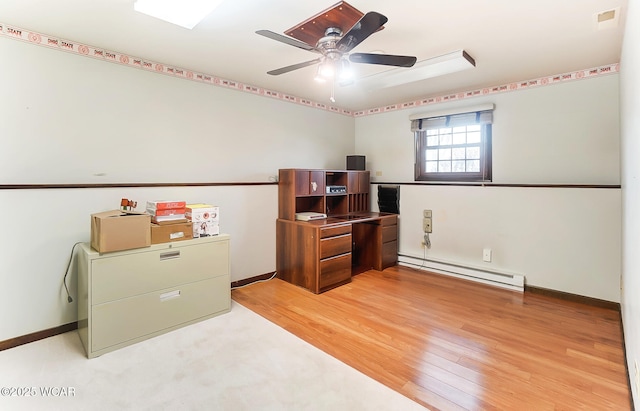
<point x="433" y="67"/>
<point x="184" y="13"/>
<point x="345" y="73"/>
<point x="319" y="77"/>
<point x="326" y="70"/>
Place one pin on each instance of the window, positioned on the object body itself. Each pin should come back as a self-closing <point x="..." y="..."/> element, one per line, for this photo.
<point x="453" y="147"/>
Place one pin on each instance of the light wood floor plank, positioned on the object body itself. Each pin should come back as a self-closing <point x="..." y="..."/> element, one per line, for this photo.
<point x="451" y="344"/>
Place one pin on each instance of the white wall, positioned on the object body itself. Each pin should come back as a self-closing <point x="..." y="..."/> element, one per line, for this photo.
<point x="64" y="118"/>
<point x="41" y="226"/>
<point x="566" y="239"/>
<point x="67" y="117"/>
<point x="630" y="127"/>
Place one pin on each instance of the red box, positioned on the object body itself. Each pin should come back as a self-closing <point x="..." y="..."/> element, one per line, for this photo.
<point x="164" y="205"/>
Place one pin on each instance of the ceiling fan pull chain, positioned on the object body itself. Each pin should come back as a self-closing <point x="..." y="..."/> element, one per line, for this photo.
<point x="333" y="90"/>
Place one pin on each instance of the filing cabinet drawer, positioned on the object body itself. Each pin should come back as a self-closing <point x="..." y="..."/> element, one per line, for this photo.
<point x="132" y="274"/>
<point x="120" y="321"/>
<point x="335" y="230"/>
<point x="333" y="246"/>
<point x="129" y="296"/>
<point x="334" y="271"/>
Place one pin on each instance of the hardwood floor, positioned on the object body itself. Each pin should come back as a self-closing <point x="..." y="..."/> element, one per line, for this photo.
<point x="451" y="344"/>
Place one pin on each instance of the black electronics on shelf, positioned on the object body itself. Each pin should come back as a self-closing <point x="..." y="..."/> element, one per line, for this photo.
<point x="389" y="199"/>
<point x="356" y="163"/>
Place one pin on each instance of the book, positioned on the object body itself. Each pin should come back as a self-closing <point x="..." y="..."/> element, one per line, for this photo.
<point x="166" y="211"/>
<point x="309" y="215"/>
<point x="164" y="205"/>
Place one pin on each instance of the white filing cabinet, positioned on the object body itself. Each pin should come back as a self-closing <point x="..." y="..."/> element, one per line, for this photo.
<point x="128" y="296"/>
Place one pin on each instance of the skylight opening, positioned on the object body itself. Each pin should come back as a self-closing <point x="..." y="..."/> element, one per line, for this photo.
<point x="184" y="13"/>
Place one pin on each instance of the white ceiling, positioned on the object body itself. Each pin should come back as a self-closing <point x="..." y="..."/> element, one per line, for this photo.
<point x="510" y="40"/>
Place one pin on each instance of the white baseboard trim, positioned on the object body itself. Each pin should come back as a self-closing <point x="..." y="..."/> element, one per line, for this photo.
<point x="496" y="278"/>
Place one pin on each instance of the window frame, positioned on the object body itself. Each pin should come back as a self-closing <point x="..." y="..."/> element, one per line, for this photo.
<point x="484" y="175"/>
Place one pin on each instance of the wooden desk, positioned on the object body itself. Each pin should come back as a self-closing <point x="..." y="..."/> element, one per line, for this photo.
<point x="323" y="254"/>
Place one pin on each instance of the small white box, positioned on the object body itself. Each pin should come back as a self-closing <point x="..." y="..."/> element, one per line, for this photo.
<point x="202" y="212"/>
<point x="205" y="229"/>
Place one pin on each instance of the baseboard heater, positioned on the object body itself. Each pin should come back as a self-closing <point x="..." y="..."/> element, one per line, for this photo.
<point x="492" y="277"/>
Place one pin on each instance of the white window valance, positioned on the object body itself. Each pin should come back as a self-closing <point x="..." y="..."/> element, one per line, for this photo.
<point x="482" y="114"/>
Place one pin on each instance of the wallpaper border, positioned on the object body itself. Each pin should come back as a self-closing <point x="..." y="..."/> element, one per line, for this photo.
<point x="13" y="32"/>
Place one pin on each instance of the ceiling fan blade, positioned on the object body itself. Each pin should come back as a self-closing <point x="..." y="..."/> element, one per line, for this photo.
<point x="365" y="27"/>
<point x="383" y="59"/>
<point x="287" y="69"/>
<point x="286" y="40"/>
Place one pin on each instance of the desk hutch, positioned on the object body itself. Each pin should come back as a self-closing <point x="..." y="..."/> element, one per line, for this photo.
<point x="322" y="254"/>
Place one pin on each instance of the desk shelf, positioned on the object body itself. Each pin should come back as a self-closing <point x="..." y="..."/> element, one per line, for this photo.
<point x="301" y="190"/>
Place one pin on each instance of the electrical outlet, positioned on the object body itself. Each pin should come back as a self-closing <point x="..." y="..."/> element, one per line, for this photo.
<point x="426" y="225"/>
<point x="426" y="213"/>
<point x="486" y="255"/>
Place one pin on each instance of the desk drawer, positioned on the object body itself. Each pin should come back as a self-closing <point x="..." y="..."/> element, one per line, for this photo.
<point x="389" y="220"/>
<point x="330" y="247"/>
<point x="334" y="231"/>
<point x="389" y="233"/>
<point x="389" y="254"/>
<point x="334" y="271"/>
<point x="129" y="275"/>
<point x="124" y="320"/>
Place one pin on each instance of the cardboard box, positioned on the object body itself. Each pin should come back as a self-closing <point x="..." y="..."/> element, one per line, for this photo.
<point x="118" y="230"/>
<point x="205" y="229"/>
<point x="171" y="232"/>
<point x="202" y="212"/>
<point x="154" y="220"/>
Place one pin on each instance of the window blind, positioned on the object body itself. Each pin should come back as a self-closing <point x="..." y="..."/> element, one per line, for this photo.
<point x="453" y="120"/>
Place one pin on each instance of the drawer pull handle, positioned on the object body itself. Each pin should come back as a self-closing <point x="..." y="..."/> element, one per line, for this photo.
<point x="169" y="255"/>
<point x="170" y="295"/>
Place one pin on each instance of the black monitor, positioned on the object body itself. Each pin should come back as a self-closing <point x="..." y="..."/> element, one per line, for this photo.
<point x="389" y="199"/>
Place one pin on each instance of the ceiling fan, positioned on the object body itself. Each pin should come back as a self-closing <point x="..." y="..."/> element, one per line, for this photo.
<point x="335" y="47"/>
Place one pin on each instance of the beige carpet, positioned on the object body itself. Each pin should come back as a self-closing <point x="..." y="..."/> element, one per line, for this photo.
<point x="237" y="361"/>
